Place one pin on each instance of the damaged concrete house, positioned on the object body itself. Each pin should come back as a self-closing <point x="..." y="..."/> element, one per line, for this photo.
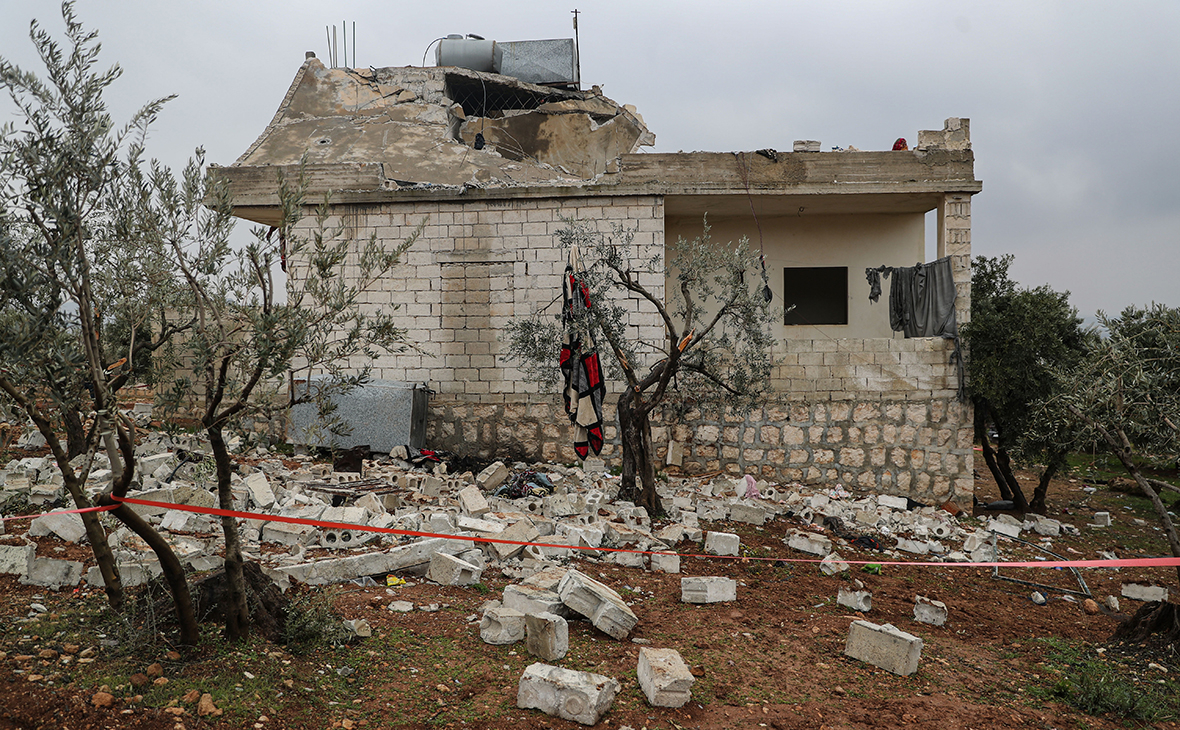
<point x="494" y="155"/>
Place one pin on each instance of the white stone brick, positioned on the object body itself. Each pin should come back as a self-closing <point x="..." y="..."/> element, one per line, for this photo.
<point x="884" y="646"/>
<point x="664" y="677"/>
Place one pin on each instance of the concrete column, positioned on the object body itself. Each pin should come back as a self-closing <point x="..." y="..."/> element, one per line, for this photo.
<point x="954" y="240"/>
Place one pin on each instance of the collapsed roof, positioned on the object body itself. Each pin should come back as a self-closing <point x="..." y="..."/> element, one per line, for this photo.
<point x="446" y="126"/>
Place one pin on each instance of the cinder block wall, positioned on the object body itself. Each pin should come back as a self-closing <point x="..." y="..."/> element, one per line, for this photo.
<point x="875" y="414"/>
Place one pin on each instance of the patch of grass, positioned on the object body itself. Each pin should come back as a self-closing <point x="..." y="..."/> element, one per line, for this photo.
<point x="1098" y="686"/>
<point x="312" y="624"/>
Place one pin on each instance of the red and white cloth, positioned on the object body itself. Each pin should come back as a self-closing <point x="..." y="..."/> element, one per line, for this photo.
<point x="584" y="387"/>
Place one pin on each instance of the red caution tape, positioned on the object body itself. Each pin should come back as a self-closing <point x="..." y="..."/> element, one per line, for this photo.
<point x="1122" y="563"/>
<point x="107" y="508"/>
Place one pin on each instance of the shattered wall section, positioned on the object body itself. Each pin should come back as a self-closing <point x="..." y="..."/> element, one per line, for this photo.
<point x="418" y="124"/>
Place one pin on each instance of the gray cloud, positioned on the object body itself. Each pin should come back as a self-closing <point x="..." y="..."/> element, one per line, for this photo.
<point x="1073" y="104"/>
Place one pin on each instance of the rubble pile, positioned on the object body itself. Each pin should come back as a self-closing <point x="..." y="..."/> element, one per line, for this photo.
<point x="525" y="522"/>
<point x="562" y="508"/>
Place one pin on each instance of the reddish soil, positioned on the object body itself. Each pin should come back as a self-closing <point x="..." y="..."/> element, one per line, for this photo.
<point x="772" y="659"/>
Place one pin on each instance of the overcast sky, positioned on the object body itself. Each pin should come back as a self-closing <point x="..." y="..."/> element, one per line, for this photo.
<point x="1074" y="106"/>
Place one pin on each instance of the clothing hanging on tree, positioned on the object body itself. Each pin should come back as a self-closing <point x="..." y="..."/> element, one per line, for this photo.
<point x="584" y="386"/>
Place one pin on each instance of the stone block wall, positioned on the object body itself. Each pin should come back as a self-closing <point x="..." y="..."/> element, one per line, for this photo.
<point x="888" y="420"/>
<point x="476" y="266"/>
<point x="871" y="414"/>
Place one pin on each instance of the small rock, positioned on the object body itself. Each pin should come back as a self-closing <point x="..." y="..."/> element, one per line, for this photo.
<point x="172" y="656"/>
<point x="401" y="606"/>
<point x="1158" y="667"/>
<point x="1090" y="606"/>
<point x="1112" y="603"/>
<point x="102" y="699"/>
<point x="190" y="697"/>
<point x="155" y="670"/>
<point x="88" y="653"/>
<point x="47" y="654"/>
<point x="206" y="707"/>
<point x="70" y="648"/>
<point x="38" y="607"/>
<point x="177" y="711"/>
<point x="1039" y="598"/>
<point x="139" y="679"/>
<point x="160" y="681"/>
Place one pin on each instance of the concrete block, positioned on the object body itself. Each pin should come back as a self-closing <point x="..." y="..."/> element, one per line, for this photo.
<point x="556" y="506"/>
<point x="501" y="626"/>
<point x="259" y="489"/>
<point x="335" y="570"/>
<point x="1003" y="528"/>
<point x="17" y="559"/>
<point x="665" y="562"/>
<point x="533" y="599"/>
<point x="884" y="646"/>
<point x="917" y="547"/>
<point x="521" y="531"/>
<point x="930" y="612"/>
<point x="582" y="697"/>
<point x="287" y="534"/>
<point x="597" y="602"/>
<point x="627" y="559"/>
<point x="1140" y="592"/>
<point x="892" y="502"/>
<point x="722" y="543"/>
<point x="67" y="527"/>
<point x="809" y="542"/>
<point x="833" y="565"/>
<point x="451" y="571"/>
<point x="474" y="524"/>
<point x="986" y="553"/>
<point x="132" y="574"/>
<point x="371" y="502"/>
<point x="53" y="574"/>
<point x="1101" y="519"/>
<point x="594" y="465"/>
<point x="711" y="589"/>
<point x="751" y="514"/>
<point x="547" y="636"/>
<point x="664" y="677"/>
<point x="472" y="501"/>
<point x="855" y="600"/>
<point x="671" y="534"/>
<point x="1047" y="527"/>
<point x="493" y="476"/>
<point x="431" y="486"/>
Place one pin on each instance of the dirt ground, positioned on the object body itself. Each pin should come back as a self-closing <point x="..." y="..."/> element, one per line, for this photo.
<point x="773" y="659"/>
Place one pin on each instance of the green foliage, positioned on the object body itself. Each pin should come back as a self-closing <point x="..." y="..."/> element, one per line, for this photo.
<point x="1131" y="380"/>
<point x="70" y="256"/>
<point x="312" y="623"/>
<point x="1018" y="340"/>
<point x="1097" y="687"/>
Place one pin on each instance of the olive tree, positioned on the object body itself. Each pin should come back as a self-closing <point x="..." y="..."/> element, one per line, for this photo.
<point x="1018" y="339"/>
<point x="1126" y="396"/>
<point x="68" y="233"/>
<point x="245" y="336"/>
<point x="714" y="350"/>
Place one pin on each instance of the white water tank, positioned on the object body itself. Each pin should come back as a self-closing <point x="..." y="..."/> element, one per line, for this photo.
<point x="476" y="54"/>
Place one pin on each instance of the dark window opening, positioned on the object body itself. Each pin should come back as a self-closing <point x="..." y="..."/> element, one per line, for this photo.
<point x="483" y="98"/>
<point x="819" y="293"/>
